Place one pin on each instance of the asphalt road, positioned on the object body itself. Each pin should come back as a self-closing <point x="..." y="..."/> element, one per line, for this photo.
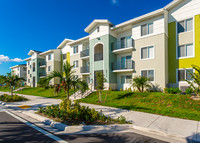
<point x="15" y="131"/>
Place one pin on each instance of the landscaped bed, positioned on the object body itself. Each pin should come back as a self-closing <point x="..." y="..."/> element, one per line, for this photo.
<point x="14" y="98"/>
<point x="181" y="106"/>
<point x="74" y="114"/>
<point x="49" y="93"/>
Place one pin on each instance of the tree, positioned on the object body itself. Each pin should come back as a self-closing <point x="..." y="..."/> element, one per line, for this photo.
<point x="65" y="77"/>
<point x="195" y="82"/>
<point x="83" y="87"/>
<point x="11" y="80"/>
<point x="75" y="82"/>
<point x="44" y="83"/>
<point x="141" y="82"/>
<point x="2" y="80"/>
<point x="100" y="84"/>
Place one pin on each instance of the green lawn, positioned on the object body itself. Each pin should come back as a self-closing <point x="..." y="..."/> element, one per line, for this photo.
<point x="6" y="89"/>
<point x="49" y="93"/>
<point x="181" y="106"/>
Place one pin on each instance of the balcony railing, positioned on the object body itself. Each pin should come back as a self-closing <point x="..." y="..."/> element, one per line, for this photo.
<point x="98" y="57"/>
<point x="85" y="69"/>
<point x="128" y="64"/>
<point x="84" y="53"/>
<point x="42" y="75"/>
<point x="128" y="43"/>
<point x="42" y="64"/>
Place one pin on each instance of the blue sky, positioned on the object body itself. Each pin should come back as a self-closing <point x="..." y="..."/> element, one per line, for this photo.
<point x="43" y="24"/>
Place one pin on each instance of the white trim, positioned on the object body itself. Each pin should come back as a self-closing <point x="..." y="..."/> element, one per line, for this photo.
<point x="37" y="128"/>
<point x="126" y="70"/>
<point x="147" y="70"/>
<point x="186" y="57"/>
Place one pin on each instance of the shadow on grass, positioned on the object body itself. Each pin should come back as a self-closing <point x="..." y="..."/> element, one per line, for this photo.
<point x="132" y="107"/>
<point x="125" y="95"/>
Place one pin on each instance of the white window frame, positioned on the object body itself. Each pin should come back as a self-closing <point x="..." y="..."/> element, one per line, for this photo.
<point x="48" y="69"/>
<point x="177" y="53"/>
<point x="75" y="65"/>
<point x="77" y="51"/>
<point x="148" y="29"/>
<point x="177" y="81"/>
<point x="51" y="57"/>
<point x="185" y="25"/>
<point x="148" y="52"/>
<point x="147" y="73"/>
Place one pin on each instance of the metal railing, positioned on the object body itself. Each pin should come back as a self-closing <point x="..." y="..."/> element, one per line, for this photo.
<point x="42" y="74"/>
<point x="128" y="64"/>
<point x="98" y="57"/>
<point x="128" y="43"/>
<point x="85" y="69"/>
<point x="42" y="64"/>
<point x="84" y="53"/>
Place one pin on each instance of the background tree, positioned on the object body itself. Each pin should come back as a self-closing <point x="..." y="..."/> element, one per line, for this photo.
<point x="75" y="82"/>
<point x="2" y="80"/>
<point x="66" y="77"/>
<point x="83" y="86"/>
<point x="100" y="84"/>
<point x="140" y="82"/>
<point x="11" y="81"/>
<point x="195" y="82"/>
<point x="44" y="83"/>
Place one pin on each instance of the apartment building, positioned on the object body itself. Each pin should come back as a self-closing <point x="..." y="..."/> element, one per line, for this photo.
<point x="40" y="64"/>
<point x="20" y="71"/>
<point x="161" y="45"/>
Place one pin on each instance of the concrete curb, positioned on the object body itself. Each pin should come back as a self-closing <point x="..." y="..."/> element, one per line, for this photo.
<point x="157" y="132"/>
<point x="76" y="129"/>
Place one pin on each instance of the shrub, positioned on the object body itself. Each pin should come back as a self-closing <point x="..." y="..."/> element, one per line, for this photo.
<point x="189" y="91"/>
<point x="173" y="90"/>
<point x="121" y="89"/>
<point x="76" y="113"/>
<point x="14" y="98"/>
<point x="130" y="90"/>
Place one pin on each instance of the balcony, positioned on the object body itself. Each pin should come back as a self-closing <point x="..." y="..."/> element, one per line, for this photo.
<point x="42" y="64"/>
<point x="126" y="66"/>
<point x="98" y="57"/>
<point x="33" y="69"/>
<point x="123" y="47"/>
<point x="84" y="54"/>
<point x="42" y="75"/>
<point x="85" y="70"/>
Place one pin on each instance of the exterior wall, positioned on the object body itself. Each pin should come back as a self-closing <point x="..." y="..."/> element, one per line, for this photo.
<point x="157" y="63"/>
<point x="74" y="58"/>
<point x="28" y="75"/>
<point x="103" y="30"/>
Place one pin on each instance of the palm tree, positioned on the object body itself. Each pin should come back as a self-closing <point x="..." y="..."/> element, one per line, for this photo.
<point x="83" y="86"/>
<point x="2" y="80"/>
<point x="195" y="82"/>
<point x="11" y="80"/>
<point x="75" y="82"/>
<point x="65" y="77"/>
<point x="140" y="82"/>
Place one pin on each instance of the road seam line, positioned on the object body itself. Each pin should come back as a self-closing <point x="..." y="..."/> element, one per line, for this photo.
<point x="153" y="121"/>
<point x="38" y="129"/>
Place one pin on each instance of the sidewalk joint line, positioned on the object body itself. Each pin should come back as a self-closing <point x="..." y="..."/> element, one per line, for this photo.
<point x="153" y="121"/>
<point x="197" y="129"/>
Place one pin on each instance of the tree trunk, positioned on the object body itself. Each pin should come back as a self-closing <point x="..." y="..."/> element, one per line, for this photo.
<point x="100" y="95"/>
<point x="68" y="92"/>
<point x="11" y="90"/>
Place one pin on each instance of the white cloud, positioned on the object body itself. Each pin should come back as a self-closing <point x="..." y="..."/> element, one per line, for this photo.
<point x="7" y="59"/>
<point x="115" y="1"/>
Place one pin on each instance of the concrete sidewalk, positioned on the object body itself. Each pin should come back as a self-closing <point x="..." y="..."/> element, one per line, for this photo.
<point x="174" y="127"/>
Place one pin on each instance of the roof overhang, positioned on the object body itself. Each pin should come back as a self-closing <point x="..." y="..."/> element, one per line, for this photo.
<point x="22" y="65"/>
<point x="27" y="59"/>
<point x="95" y="22"/>
<point x="64" y="42"/>
<point x="78" y="41"/>
<point x="33" y="51"/>
<point x="173" y="4"/>
<point x="46" y="52"/>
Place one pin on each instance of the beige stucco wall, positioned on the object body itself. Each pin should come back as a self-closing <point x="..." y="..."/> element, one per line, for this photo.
<point x="77" y="70"/>
<point x="159" y="61"/>
<point x="185" y="38"/>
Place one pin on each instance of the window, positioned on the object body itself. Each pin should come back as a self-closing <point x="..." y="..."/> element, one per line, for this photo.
<point x="126" y="79"/>
<point x="28" y="80"/>
<point x="98" y="29"/>
<point x="24" y="69"/>
<point x="126" y="42"/>
<point x="126" y="62"/>
<point x="75" y="49"/>
<point x="30" y="75"/>
<point x="185" y="51"/>
<point x="64" y="56"/>
<point x="148" y="73"/>
<point x="75" y="64"/>
<point x="185" y="25"/>
<point x="28" y="71"/>
<point x="146" y="29"/>
<point x="184" y="74"/>
<point x="147" y="52"/>
<point x="49" y="57"/>
<point x="49" y="68"/>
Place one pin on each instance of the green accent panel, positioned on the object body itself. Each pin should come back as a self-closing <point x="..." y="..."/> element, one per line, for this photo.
<point x="38" y="70"/>
<point x="172" y="52"/>
<point x="108" y="58"/>
<point x="98" y="65"/>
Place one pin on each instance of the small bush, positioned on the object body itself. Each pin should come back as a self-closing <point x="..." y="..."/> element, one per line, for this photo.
<point x="121" y="89"/>
<point x="173" y="90"/>
<point x="165" y="90"/>
<point x="14" y="98"/>
<point x="189" y="91"/>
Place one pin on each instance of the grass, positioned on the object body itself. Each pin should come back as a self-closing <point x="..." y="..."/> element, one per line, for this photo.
<point x="14" y="98"/>
<point x="6" y="89"/>
<point x="48" y="93"/>
<point x="180" y="106"/>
